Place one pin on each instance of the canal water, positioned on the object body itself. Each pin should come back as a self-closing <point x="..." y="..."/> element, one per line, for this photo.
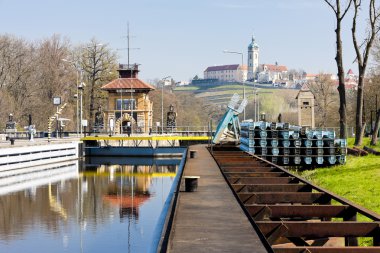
<point x="108" y="205"/>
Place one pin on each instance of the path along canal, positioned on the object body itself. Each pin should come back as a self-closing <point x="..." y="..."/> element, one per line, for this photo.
<point x="108" y="205"/>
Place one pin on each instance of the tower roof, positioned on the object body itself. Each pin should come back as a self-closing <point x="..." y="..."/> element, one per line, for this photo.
<point x="253" y="44"/>
<point x="223" y="67"/>
<point x="127" y="83"/>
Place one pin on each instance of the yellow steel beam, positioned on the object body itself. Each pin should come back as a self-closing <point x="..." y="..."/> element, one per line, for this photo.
<point x="129" y="174"/>
<point x="146" y="138"/>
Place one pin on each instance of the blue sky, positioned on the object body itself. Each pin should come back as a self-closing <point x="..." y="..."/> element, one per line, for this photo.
<point x="181" y="38"/>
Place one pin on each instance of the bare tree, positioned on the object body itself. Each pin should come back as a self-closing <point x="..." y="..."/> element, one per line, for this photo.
<point x="372" y="93"/>
<point x="98" y="64"/>
<point x="323" y="88"/>
<point x="362" y="55"/>
<point x="19" y="76"/>
<point x="53" y="77"/>
<point x="340" y="13"/>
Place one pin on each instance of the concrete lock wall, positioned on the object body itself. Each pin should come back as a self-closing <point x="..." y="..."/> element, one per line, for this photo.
<point x="21" y="157"/>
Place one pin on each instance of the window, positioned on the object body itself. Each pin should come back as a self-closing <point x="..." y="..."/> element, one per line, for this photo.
<point x="127" y="103"/>
<point x="305" y="103"/>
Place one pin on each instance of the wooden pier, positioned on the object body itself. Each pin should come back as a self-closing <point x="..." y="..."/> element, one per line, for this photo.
<point x="247" y="204"/>
<point x="210" y="219"/>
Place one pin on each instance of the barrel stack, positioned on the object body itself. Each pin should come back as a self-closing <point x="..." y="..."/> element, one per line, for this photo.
<point x="289" y="145"/>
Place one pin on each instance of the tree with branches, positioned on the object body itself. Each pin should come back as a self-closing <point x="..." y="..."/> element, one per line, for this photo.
<point x="362" y="51"/>
<point x="325" y="93"/>
<point x="98" y="63"/>
<point x="372" y="91"/>
<point x="340" y="12"/>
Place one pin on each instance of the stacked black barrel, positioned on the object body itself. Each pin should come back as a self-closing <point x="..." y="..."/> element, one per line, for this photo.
<point x="285" y="144"/>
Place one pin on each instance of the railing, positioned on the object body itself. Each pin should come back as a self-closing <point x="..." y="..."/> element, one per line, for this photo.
<point x="157" y="130"/>
<point x="21" y="157"/>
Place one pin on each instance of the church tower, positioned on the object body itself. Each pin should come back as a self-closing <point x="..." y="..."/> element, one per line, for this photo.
<point x="253" y="59"/>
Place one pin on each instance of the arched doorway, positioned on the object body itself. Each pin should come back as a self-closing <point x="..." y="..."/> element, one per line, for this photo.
<point x="125" y="123"/>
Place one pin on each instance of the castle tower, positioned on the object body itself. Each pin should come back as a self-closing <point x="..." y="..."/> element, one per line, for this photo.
<point x="253" y="59"/>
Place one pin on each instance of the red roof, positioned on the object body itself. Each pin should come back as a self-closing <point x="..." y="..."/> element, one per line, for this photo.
<point x="127" y="83"/>
<point x="223" y="67"/>
<point x="350" y="72"/>
<point x="127" y="201"/>
<point x="276" y="68"/>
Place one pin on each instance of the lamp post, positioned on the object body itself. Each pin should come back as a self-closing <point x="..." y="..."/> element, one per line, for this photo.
<point x="77" y="67"/>
<point x="80" y="88"/>
<point x="162" y="102"/>
<point x="121" y="108"/>
<point x="242" y="73"/>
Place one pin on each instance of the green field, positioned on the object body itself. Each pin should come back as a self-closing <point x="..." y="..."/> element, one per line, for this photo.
<point x="186" y="88"/>
<point x="358" y="181"/>
<point x="366" y="142"/>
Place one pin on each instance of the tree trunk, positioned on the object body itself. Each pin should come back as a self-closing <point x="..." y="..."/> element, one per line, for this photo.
<point x="324" y="111"/>
<point x="359" y="114"/>
<point x="376" y="129"/>
<point x="362" y="55"/>
<point x="341" y="87"/>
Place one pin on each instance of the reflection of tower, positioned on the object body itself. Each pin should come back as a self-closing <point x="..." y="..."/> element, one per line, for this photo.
<point x="131" y="191"/>
<point x="253" y="59"/>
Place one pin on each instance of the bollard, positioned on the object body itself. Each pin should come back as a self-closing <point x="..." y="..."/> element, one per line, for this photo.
<point x="191" y="183"/>
<point x="192" y="153"/>
<point x="12" y="141"/>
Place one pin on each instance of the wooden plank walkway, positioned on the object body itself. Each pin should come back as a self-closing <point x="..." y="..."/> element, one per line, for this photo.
<point x="210" y="220"/>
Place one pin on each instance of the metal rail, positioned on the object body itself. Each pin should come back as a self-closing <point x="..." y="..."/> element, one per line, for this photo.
<point x="144" y="141"/>
<point x="293" y="214"/>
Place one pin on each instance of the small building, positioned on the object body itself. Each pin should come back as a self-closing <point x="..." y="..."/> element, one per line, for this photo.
<point x="272" y="73"/>
<point x="306" y="104"/>
<point x="128" y="107"/>
<point x="228" y="73"/>
<point x="310" y="77"/>
<point x="351" y="80"/>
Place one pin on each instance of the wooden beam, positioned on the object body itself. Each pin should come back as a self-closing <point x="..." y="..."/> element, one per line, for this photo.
<point x="254" y="174"/>
<point x="326" y="249"/>
<point x="263" y="180"/>
<point x="272" y="188"/>
<point x="283" y="197"/>
<point x="321" y="229"/>
<point x="300" y="211"/>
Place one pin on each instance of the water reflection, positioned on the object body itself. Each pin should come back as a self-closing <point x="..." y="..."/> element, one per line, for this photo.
<point x="101" y="208"/>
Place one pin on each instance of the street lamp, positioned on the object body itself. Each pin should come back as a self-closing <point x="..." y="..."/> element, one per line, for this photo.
<point x="162" y="102"/>
<point x="80" y="88"/>
<point x="77" y="67"/>
<point x="242" y="73"/>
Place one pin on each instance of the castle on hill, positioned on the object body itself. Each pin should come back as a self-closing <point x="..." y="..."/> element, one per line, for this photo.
<point x="253" y="71"/>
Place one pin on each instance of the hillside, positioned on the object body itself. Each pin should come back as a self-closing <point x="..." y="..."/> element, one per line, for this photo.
<point x="272" y="101"/>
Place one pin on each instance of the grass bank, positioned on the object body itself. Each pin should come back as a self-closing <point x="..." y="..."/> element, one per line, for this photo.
<point x="366" y="142"/>
<point x="186" y="88"/>
<point x="358" y="181"/>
